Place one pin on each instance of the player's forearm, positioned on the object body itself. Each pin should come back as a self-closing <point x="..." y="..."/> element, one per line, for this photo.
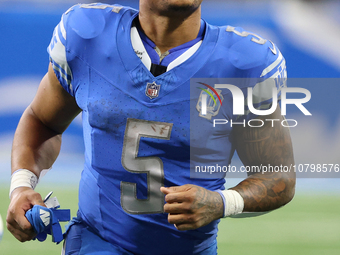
<point x="266" y="146"/>
<point x="265" y="192"/>
<point x="35" y="146"/>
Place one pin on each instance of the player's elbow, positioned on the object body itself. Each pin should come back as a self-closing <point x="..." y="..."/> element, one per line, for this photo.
<point x="289" y="191"/>
<point x="289" y="196"/>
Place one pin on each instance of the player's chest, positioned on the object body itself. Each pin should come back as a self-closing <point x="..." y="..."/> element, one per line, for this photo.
<point x="110" y="102"/>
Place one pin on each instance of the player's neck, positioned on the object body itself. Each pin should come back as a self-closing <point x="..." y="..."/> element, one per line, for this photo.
<point x="169" y="32"/>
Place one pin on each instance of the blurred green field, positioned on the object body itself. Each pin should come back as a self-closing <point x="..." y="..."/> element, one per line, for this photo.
<point x="308" y="225"/>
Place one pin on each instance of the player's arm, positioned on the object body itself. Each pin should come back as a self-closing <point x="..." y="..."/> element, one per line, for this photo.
<point x="191" y="206"/>
<point x="36" y="146"/>
<point x="267" y="146"/>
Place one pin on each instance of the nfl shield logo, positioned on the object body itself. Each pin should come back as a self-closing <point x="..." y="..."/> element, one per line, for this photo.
<point x="152" y="90"/>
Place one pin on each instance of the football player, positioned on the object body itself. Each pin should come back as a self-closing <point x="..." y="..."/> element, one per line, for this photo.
<point x="129" y="73"/>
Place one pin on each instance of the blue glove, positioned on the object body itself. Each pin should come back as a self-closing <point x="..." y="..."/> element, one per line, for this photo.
<point x="45" y="221"/>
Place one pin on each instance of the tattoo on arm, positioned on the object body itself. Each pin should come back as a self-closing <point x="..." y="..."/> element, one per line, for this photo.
<point x="211" y="202"/>
<point x="263" y="147"/>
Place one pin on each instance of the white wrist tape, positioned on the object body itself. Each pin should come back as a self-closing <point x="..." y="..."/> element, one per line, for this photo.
<point x="233" y="202"/>
<point x="23" y="178"/>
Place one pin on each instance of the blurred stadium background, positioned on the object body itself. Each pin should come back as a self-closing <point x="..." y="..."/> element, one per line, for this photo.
<point x="308" y="34"/>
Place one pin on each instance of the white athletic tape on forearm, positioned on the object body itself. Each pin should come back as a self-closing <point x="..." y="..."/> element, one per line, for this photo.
<point x="23" y="178"/>
<point x="233" y="202"/>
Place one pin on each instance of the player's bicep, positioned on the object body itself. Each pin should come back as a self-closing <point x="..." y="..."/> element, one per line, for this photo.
<point x="52" y="105"/>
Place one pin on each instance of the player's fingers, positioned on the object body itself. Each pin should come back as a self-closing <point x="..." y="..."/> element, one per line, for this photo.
<point x="183" y="227"/>
<point x="176" y="218"/>
<point x="181" y="218"/>
<point x="22" y="200"/>
<point x="19" y="234"/>
<point x="188" y="195"/>
<point x="23" y="223"/>
<point x="16" y="217"/>
<point x="175" y="189"/>
<point x="165" y="190"/>
<point x="18" y="224"/>
<point x="19" y="221"/>
<point x="179" y="197"/>
<point x="176" y="208"/>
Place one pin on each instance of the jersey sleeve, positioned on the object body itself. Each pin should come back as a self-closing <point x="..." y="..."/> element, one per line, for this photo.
<point x="58" y="56"/>
<point x="82" y="27"/>
<point x="261" y="67"/>
<point x="268" y="85"/>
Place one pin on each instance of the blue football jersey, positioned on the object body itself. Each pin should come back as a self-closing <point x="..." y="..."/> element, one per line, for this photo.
<point x="137" y="127"/>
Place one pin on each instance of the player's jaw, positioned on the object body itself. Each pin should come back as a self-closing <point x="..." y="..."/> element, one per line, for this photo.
<point x="172" y="7"/>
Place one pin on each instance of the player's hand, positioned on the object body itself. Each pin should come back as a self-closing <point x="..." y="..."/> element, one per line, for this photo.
<point x="190" y="206"/>
<point x="22" y="199"/>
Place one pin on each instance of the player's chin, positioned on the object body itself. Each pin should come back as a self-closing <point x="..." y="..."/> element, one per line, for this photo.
<point x="181" y="6"/>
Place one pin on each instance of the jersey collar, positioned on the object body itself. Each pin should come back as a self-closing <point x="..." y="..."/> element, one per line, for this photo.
<point x="194" y="59"/>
